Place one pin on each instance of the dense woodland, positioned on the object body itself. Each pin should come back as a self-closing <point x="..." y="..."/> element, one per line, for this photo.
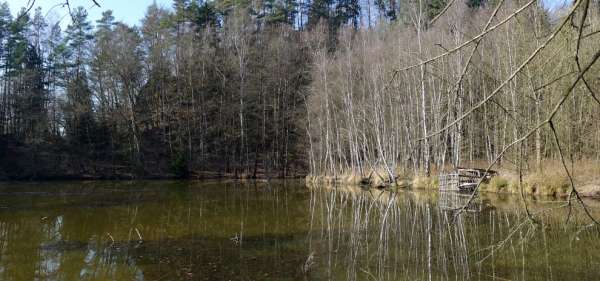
<point x="283" y="88"/>
<point x="197" y="88"/>
<point x="508" y="83"/>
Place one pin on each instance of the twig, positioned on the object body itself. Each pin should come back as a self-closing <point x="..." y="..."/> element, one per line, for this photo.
<point x="521" y="183"/>
<point x="466" y="43"/>
<point x="464" y="70"/>
<point x="573" y="189"/>
<point x="533" y="130"/>
<point x="554" y="80"/>
<point x="30" y="4"/>
<point x="577" y="58"/>
<point x="591" y="33"/>
<point x="441" y="13"/>
<point x="512" y="76"/>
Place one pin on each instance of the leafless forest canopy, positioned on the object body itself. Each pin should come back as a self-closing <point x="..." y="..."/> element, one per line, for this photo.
<point x="285" y="88"/>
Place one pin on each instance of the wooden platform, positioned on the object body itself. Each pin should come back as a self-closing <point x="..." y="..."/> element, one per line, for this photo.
<point x="464" y="179"/>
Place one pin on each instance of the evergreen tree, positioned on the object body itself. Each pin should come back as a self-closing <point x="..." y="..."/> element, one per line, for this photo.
<point x="58" y="58"/>
<point x="319" y="10"/>
<point x="79" y="37"/>
<point x="32" y="96"/>
<point x="5" y="19"/>
<point x="38" y="29"/>
<point x="17" y="43"/>
<point x="181" y="11"/>
<point x="79" y="108"/>
<point x="79" y="113"/>
<point x="34" y="82"/>
<point x="204" y="14"/>
<point x="475" y="3"/>
<point x="281" y="11"/>
<point x="17" y="51"/>
<point x="5" y="23"/>
<point x="100" y="65"/>
<point x="387" y="9"/>
<point x="434" y="7"/>
<point x="348" y="11"/>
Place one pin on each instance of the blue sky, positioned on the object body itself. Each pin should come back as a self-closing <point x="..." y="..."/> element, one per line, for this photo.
<point x="554" y="4"/>
<point x="128" y="11"/>
<point x="132" y="11"/>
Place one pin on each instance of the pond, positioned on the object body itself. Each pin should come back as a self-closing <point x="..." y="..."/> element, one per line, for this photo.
<point x="189" y="230"/>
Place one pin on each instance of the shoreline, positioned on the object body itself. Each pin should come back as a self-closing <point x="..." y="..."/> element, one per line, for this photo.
<point x="201" y="176"/>
<point x="551" y="185"/>
<point x="535" y="184"/>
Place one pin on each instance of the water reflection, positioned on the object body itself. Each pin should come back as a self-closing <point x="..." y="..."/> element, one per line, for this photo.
<point x="279" y="231"/>
<point x="379" y="235"/>
<point x="151" y="231"/>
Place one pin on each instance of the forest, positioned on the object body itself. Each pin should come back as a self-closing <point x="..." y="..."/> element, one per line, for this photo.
<point x="209" y="88"/>
<point x="286" y="88"/>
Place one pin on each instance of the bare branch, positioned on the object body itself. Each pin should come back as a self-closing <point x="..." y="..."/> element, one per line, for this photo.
<point x="464" y="71"/>
<point x="578" y="48"/>
<point x="29" y="6"/>
<point x="573" y="189"/>
<point x="512" y="76"/>
<point x="533" y="130"/>
<point x="441" y="13"/>
<point x="484" y="33"/>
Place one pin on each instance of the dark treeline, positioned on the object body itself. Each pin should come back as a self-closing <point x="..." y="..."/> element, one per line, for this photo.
<point x="197" y="87"/>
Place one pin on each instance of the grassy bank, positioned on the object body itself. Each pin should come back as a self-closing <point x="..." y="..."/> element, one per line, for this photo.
<point x="548" y="180"/>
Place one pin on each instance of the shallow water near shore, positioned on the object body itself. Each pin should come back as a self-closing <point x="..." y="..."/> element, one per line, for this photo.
<point x="190" y="230"/>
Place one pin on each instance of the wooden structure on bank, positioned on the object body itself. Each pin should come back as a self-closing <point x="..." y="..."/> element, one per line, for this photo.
<point x="464" y="179"/>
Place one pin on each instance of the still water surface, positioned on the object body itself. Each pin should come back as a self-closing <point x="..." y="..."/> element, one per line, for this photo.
<point x="281" y="231"/>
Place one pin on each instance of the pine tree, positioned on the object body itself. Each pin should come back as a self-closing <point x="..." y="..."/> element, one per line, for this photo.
<point x="204" y="14"/>
<point x="5" y="23"/>
<point x="38" y="28"/>
<point x="100" y="65"/>
<point x="35" y="90"/>
<point x="17" y="50"/>
<point x="387" y="9"/>
<point x="79" y="108"/>
<point x="348" y="11"/>
<point x="79" y="38"/>
<point x="181" y="10"/>
<point x="319" y="10"/>
<point x="281" y="11"/>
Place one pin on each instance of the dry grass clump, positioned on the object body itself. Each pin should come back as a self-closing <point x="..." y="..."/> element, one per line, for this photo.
<point x="550" y="179"/>
<point x="377" y="177"/>
<point x="547" y="182"/>
<point x="422" y="181"/>
<point x="498" y="184"/>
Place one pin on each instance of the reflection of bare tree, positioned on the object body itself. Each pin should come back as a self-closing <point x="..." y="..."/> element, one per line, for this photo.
<point x="378" y="235"/>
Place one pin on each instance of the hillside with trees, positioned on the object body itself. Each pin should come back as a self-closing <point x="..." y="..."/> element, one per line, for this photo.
<point x="286" y="88"/>
<point x="211" y="88"/>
